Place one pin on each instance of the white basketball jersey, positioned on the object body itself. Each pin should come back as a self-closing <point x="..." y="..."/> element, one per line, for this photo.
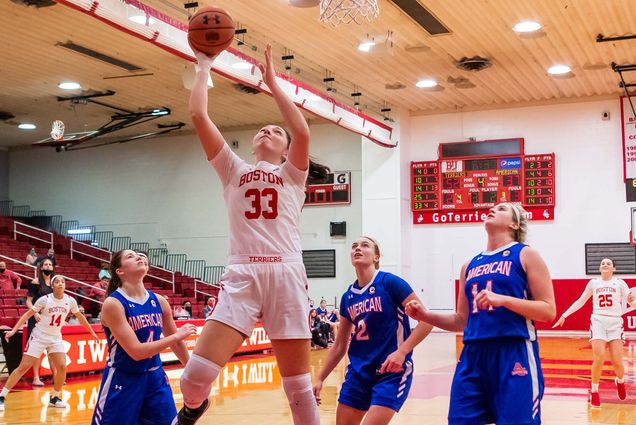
<point x="263" y="201"/>
<point x="609" y="296"/>
<point x="53" y="312"/>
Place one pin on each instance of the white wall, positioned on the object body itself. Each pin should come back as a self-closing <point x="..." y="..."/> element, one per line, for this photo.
<point x="590" y="198"/>
<point x="163" y="191"/>
<point x="4" y="174"/>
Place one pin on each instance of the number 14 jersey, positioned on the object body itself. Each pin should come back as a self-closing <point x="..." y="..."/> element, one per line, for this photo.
<point x="53" y="312"/>
<point x="263" y="201"/>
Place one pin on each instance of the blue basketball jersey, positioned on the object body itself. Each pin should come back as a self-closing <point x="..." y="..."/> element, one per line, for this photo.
<point x="146" y="319"/>
<point x="501" y="272"/>
<point x="380" y="323"/>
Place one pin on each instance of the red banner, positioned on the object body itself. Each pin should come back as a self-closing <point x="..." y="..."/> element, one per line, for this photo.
<point x="475" y="216"/>
<point x="84" y="354"/>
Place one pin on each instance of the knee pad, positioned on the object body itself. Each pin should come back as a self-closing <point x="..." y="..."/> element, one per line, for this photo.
<point x="301" y="398"/>
<point x="197" y="379"/>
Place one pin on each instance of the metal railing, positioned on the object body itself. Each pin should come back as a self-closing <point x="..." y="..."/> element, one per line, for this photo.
<point x="82" y="248"/>
<point x="170" y="272"/>
<point x="6" y="208"/>
<point x="118" y="243"/>
<point x="213" y="273"/>
<point x="84" y="284"/>
<point x="199" y="284"/>
<point x="23" y="227"/>
<point x="35" y="270"/>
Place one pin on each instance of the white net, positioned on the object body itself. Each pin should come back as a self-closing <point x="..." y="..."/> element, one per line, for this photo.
<point x="57" y="130"/>
<point x="338" y="12"/>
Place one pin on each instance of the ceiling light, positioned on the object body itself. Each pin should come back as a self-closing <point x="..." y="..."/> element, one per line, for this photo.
<point x="27" y="126"/>
<point x="242" y="65"/>
<point x="141" y="19"/>
<point x="159" y="112"/>
<point x="526" y="26"/>
<point x="69" y="85"/>
<point x="559" y="69"/>
<point x="80" y="231"/>
<point x="426" y="83"/>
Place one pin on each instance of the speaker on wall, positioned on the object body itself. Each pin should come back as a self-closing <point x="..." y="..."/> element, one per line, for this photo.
<point x="338" y="228"/>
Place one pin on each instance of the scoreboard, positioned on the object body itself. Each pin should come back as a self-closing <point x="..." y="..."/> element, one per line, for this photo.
<point x="463" y="189"/>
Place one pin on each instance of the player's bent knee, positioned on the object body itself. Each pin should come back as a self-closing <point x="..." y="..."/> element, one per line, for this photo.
<point x="197" y="379"/>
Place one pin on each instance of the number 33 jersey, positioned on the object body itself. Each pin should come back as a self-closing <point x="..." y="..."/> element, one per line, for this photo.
<point x="501" y="272"/>
<point x="380" y="324"/>
<point x="53" y="312"/>
<point x="263" y="201"/>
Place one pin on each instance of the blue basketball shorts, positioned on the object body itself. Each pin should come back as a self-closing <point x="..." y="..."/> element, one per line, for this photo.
<point x="497" y="381"/>
<point x="134" y="398"/>
<point x="388" y="390"/>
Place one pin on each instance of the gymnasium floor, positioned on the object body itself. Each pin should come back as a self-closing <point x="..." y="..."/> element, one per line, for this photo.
<point x="249" y="390"/>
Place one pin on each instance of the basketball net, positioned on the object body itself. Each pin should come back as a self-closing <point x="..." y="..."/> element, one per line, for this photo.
<point x="57" y="130"/>
<point x="338" y="12"/>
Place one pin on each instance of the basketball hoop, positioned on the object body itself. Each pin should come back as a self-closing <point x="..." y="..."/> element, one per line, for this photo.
<point x="338" y="12"/>
<point x="57" y="130"/>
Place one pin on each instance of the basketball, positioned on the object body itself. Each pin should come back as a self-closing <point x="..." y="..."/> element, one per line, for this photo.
<point x="210" y="30"/>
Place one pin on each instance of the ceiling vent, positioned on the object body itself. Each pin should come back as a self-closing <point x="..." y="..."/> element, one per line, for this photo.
<point x="394" y="86"/>
<point x="476" y="63"/>
<point x="246" y="89"/>
<point x="422" y="16"/>
<point x="461" y="82"/>
<point x="5" y="116"/>
<point x="35" y="3"/>
<point x="99" y="56"/>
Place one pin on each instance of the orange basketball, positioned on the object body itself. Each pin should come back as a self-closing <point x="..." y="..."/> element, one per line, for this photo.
<point x="210" y="30"/>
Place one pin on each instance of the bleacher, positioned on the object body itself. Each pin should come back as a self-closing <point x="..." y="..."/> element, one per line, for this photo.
<point x="83" y="270"/>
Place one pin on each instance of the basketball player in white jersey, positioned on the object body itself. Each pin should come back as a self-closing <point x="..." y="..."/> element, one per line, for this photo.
<point x="47" y="335"/>
<point x="609" y="296"/>
<point x="265" y="278"/>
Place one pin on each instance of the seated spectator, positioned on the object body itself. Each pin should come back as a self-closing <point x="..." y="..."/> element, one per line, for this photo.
<point x="322" y="310"/>
<point x="319" y="330"/>
<point x="97" y="294"/>
<point x="103" y="272"/>
<point x="8" y="279"/>
<point x="32" y="257"/>
<point x="50" y="255"/>
<point x="210" y="303"/>
<point x="184" y="312"/>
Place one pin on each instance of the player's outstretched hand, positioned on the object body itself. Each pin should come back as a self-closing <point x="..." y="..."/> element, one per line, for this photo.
<point x="9" y="335"/>
<point x="204" y="62"/>
<point x="185" y="331"/>
<point x="393" y="362"/>
<point x="267" y="69"/>
<point x="559" y="322"/>
<point x="317" y="389"/>
<point x="415" y="310"/>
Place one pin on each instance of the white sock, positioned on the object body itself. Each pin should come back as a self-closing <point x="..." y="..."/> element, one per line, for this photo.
<point x="55" y="393"/>
<point x="301" y="398"/>
<point x="4" y="392"/>
<point x="620" y="380"/>
<point x="594" y="388"/>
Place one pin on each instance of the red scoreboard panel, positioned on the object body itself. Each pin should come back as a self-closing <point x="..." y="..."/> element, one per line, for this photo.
<point x="462" y="189"/>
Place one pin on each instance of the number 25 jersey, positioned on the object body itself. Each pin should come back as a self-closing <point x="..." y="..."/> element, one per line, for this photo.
<point x="264" y="202"/>
<point x="501" y="272"/>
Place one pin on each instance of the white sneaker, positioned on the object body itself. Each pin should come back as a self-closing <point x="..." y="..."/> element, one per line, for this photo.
<point x="1" y="404"/>
<point x="56" y="402"/>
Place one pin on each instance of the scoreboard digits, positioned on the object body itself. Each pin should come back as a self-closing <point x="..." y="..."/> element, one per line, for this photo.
<point x="480" y="183"/>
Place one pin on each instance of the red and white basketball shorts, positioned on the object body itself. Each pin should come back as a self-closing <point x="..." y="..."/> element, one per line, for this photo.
<point x="271" y="289"/>
<point x="40" y="341"/>
<point x="607" y="328"/>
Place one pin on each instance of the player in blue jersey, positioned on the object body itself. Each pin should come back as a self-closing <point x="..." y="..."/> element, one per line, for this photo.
<point x="380" y="371"/>
<point x="135" y="389"/>
<point x="502" y="291"/>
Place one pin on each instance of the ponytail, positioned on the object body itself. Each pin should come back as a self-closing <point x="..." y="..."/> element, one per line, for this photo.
<point x="115" y="281"/>
<point x="318" y="173"/>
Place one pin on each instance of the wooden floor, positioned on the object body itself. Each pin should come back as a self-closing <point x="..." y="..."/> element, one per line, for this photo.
<point x="249" y="390"/>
